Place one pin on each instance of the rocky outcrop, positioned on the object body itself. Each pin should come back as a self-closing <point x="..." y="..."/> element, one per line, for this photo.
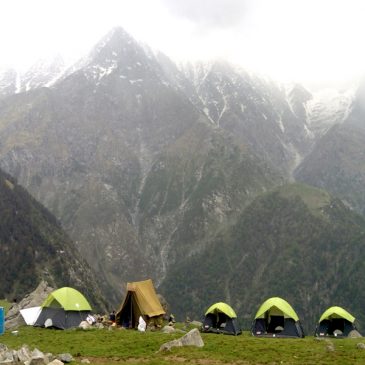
<point x="36" y="298"/>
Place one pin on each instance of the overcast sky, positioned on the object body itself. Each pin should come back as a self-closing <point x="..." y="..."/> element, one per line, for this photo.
<point x="307" y="41"/>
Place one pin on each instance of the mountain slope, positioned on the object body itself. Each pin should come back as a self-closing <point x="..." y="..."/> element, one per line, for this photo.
<point x="86" y="146"/>
<point x="336" y="162"/>
<point x="254" y="110"/>
<point x="295" y="242"/>
<point x="199" y="183"/>
<point x="33" y="247"/>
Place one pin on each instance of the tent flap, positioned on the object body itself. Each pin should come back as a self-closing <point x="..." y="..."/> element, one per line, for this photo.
<point x="30" y="315"/>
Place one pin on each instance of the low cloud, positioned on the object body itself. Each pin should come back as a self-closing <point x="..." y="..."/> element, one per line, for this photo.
<point x="209" y="13"/>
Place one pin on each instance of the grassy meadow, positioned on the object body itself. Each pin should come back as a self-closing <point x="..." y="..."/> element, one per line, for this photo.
<point x="103" y="346"/>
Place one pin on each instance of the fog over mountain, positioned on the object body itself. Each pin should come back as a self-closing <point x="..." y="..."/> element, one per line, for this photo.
<point x="186" y="173"/>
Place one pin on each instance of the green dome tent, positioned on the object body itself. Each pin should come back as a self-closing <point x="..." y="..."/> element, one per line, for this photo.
<point x="221" y="318"/>
<point x="335" y="321"/>
<point x="64" y="308"/>
<point x="276" y="318"/>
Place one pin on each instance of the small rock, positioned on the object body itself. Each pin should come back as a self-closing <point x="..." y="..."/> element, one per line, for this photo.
<point x="9" y="355"/>
<point x="36" y="353"/>
<point x="65" y="357"/>
<point x="38" y="361"/>
<point x="56" y="362"/>
<point x="361" y="345"/>
<point x="168" y="329"/>
<point x="8" y="362"/>
<point x="85" y="361"/>
<point x="24" y="354"/>
<point x="85" y="325"/>
<point x="354" y="334"/>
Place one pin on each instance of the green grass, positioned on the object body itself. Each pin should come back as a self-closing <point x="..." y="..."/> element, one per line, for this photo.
<point x="5" y="304"/>
<point x="117" y="346"/>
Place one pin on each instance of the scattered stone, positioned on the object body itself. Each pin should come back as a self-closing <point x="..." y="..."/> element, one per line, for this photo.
<point x="354" y="334"/>
<point x="85" y="325"/>
<point x="66" y="358"/>
<point x="37" y="353"/>
<point x="99" y="325"/>
<point x="361" y="345"/>
<point x="9" y="355"/>
<point x="192" y="338"/>
<point x="38" y="358"/>
<point x="24" y="354"/>
<point x="38" y="361"/>
<point x="85" y="361"/>
<point x="7" y="362"/>
<point x="168" y="329"/>
<point x="56" y="362"/>
<point x="196" y="324"/>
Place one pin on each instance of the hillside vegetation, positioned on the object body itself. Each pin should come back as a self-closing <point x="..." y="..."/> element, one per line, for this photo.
<point x="33" y="247"/>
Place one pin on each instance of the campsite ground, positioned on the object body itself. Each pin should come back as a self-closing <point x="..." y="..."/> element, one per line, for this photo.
<point x="102" y="346"/>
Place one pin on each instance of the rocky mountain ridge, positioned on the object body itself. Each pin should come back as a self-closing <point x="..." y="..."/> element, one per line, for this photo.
<point x="44" y="73"/>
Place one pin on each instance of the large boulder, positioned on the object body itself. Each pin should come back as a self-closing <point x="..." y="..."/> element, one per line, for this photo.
<point x="13" y="318"/>
<point x="192" y="338"/>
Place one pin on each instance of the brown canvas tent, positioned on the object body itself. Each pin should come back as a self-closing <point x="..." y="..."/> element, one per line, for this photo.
<point x="141" y="300"/>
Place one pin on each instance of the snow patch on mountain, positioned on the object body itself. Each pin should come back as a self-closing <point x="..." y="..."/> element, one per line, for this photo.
<point x="327" y="108"/>
<point x="44" y="73"/>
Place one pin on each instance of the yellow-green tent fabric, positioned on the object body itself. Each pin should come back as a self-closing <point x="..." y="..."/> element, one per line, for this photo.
<point x="337" y="312"/>
<point x="276" y="306"/>
<point x="67" y="298"/>
<point x="221" y="307"/>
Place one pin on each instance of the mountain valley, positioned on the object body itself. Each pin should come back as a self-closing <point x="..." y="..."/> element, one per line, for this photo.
<point x="188" y="175"/>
